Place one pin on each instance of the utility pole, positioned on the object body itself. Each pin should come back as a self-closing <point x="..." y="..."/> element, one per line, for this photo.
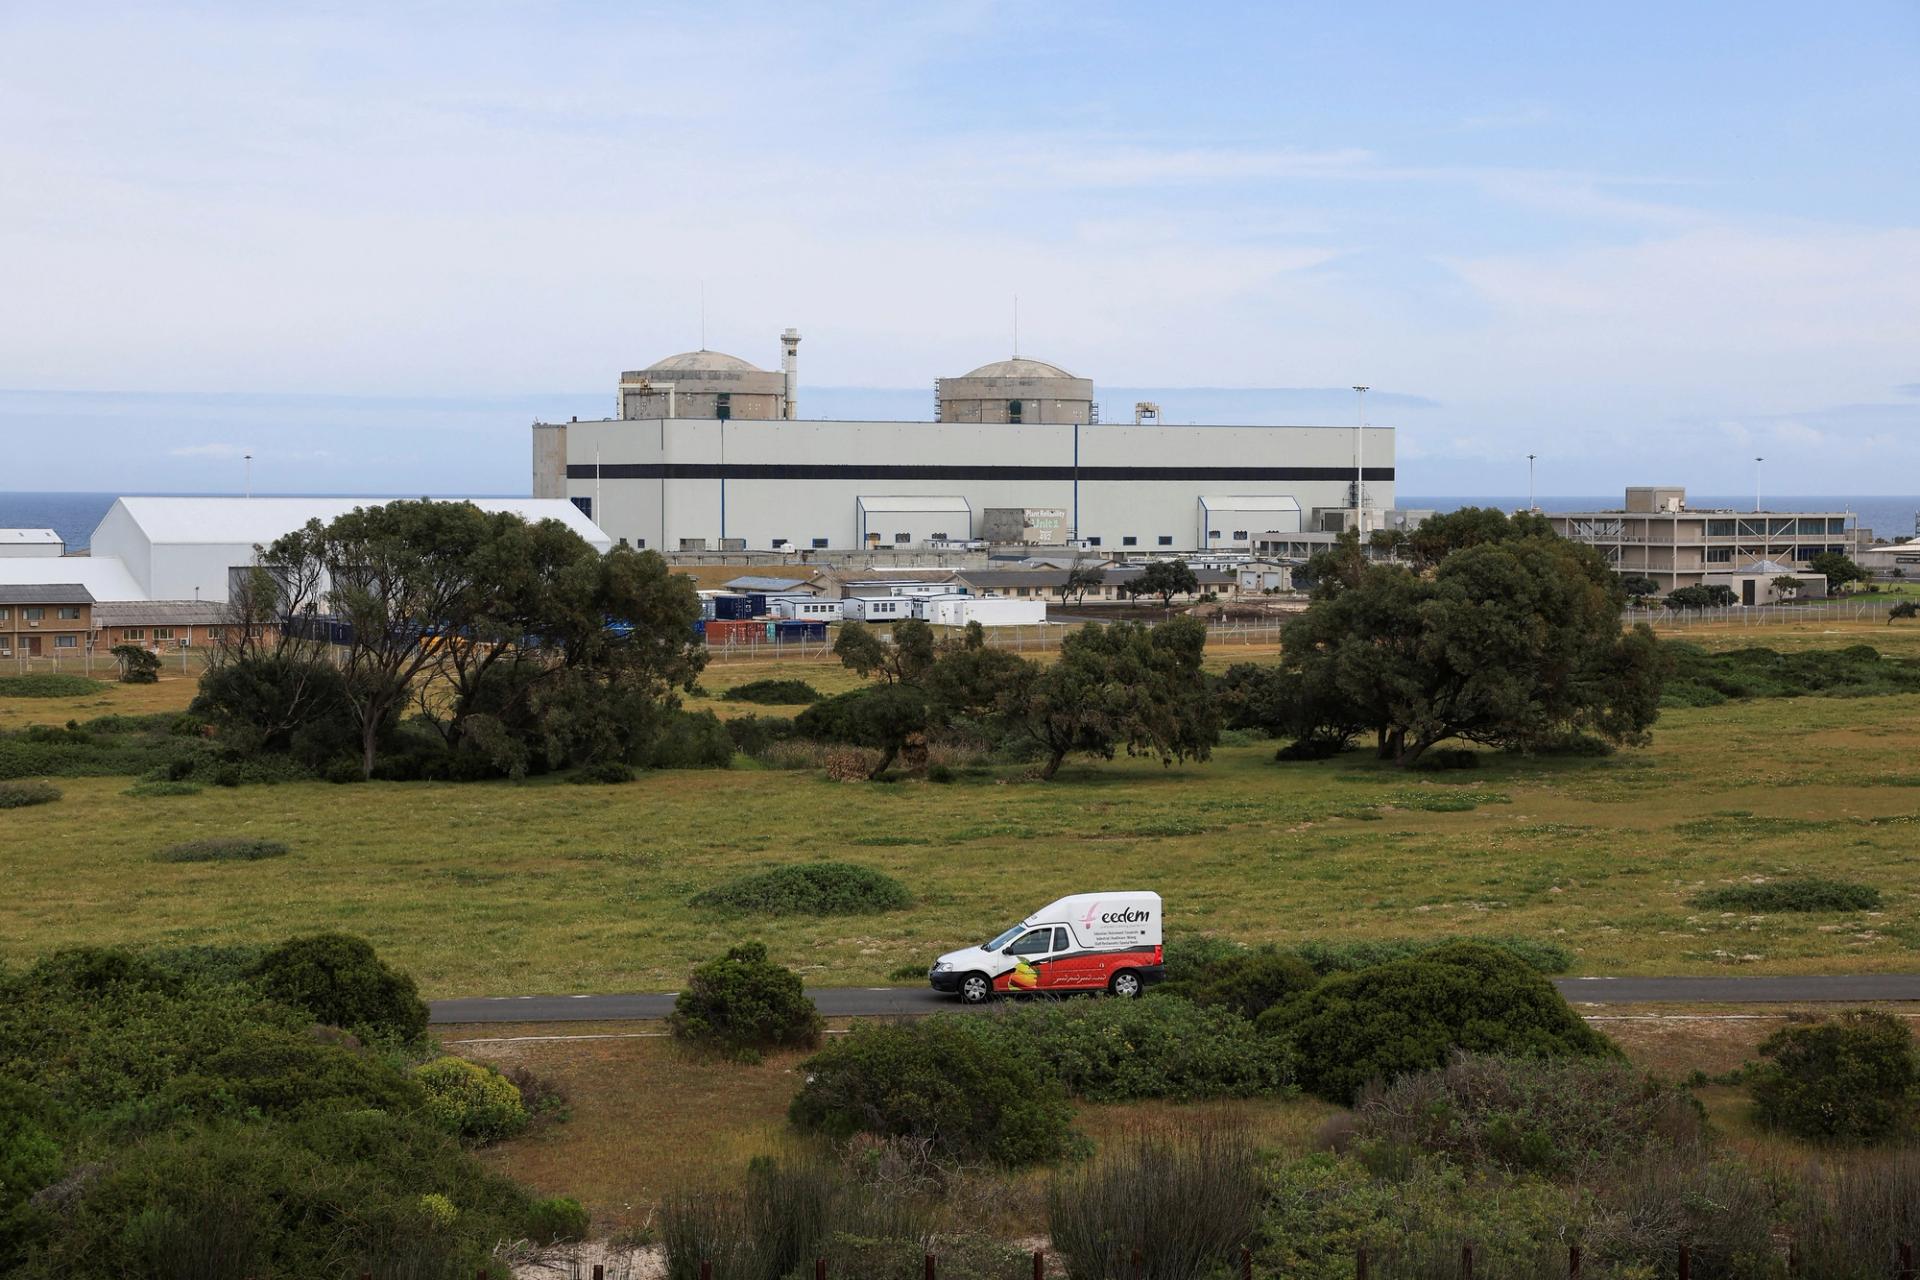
<point x="1359" y="471"/>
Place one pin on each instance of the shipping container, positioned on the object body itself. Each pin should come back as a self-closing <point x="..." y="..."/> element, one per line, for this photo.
<point x="732" y="607"/>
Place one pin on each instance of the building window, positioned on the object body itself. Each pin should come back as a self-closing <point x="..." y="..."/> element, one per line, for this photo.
<point x="585" y="505"/>
<point x="818" y="543"/>
<point x="640" y="544"/>
<point x="1239" y="535"/>
<point x="901" y="539"/>
<point x="723" y="406"/>
<point x="66" y="642"/>
<point x="1015" y="411"/>
<point x="1719" y="528"/>
<point x="33" y="614"/>
<point x="4" y="615"/>
<point x="1719" y="555"/>
<point x="1166" y="539"/>
<point x="215" y="633"/>
<point x="693" y="544"/>
<point x="1212" y="533"/>
<point x="1093" y="541"/>
<point x="623" y="542"/>
<point x="938" y="537"/>
<point x="162" y="633"/>
<point x="1129" y="540"/>
<point x="69" y="613"/>
<point x="133" y="634"/>
<point x="1837" y="525"/>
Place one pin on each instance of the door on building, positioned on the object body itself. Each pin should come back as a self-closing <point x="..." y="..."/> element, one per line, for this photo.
<point x="1746" y="591"/>
<point x="33" y="646"/>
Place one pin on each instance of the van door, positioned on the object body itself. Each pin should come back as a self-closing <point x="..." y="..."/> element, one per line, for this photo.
<point x="1074" y="967"/>
<point x="1029" y="953"/>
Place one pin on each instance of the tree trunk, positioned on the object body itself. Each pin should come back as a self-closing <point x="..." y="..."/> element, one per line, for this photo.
<point x="1052" y="765"/>
<point x="886" y="761"/>
<point x="369" y="732"/>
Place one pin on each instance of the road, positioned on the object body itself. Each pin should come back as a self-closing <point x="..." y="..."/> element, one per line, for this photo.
<point x="837" y="1002"/>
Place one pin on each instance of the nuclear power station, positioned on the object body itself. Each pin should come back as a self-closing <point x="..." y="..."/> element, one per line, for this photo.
<point x="708" y="452"/>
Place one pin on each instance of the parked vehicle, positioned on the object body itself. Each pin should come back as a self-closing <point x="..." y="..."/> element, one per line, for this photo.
<point x="1088" y="942"/>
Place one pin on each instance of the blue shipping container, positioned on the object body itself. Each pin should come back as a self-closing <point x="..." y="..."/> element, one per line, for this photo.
<point x="732" y="607"/>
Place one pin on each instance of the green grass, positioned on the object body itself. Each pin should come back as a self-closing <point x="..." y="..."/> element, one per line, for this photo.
<point x="48" y="686"/>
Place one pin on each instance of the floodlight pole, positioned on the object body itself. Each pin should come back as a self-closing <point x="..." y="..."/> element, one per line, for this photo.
<point x="1531" y="504"/>
<point x="1359" y="471"/>
<point x="1756" y="482"/>
<point x="249" y="460"/>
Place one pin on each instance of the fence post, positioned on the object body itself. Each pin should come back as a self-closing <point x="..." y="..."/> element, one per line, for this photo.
<point x="1466" y="1262"/>
<point x="1360" y="1263"/>
<point x="599" y="1271"/>
<point x="1039" y="1265"/>
<point x="1136" y="1266"/>
<point x="929" y="1267"/>
<point x="1686" y="1263"/>
<point x="1246" y="1263"/>
<point x="1906" y="1260"/>
<point x="1573" y="1262"/>
<point x="706" y="1269"/>
<point x="819" y="1269"/>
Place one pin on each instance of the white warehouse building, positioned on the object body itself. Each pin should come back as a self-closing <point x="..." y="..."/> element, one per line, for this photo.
<point x="1015" y="434"/>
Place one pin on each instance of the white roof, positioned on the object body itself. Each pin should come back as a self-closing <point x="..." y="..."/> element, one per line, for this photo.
<point x="258" y="521"/>
<point x="105" y="576"/>
<point x="1249" y="502"/>
<point x="913" y="503"/>
<point x="30" y="537"/>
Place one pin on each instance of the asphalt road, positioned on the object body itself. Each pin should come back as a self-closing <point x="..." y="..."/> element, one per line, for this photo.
<point x="838" y="1002"/>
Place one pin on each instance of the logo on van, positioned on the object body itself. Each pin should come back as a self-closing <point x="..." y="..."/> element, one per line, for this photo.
<point x="1132" y="915"/>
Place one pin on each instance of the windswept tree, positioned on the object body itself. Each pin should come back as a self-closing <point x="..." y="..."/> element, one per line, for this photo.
<point x="1164" y="578"/>
<point x="1439" y="536"/>
<point x="903" y="658"/>
<point x="1839" y="569"/>
<point x="1123" y="686"/>
<point x="1082" y="576"/>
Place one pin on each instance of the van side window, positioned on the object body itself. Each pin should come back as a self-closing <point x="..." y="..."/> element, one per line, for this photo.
<point x="1062" y="940"/>
<point x="1036" y="943"/>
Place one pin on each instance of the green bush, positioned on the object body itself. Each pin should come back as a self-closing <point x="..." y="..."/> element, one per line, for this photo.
<point x="18" y="795"/>
<point x="341" y="982"/>
<point x="472" y="1102"/>
<point x="1412" y="1015"/>
<point x="950" y="1080"/>
<point x="779" y="693"/>
<point x="48" y="686"/>
<point x="1248" y="982"/>
<point x="153" y="789"/>
<point x="1351" y="957"/>
<point x="688" y="740"/>
<point x="137" y="665"/>
<point x="1554" y="1118"/>
<point x="222" y="849"/>
<point x="1847" y="1079"/>
<point x="742" y="1003"/>
<point x="557" y="1219"/>
<point x="1126" y="1050"/>
<point x="1806" y="893"/>
<point x="602" y="772"/>
<point x="1702" y="679"/>
<point x="1182" y="1205"/>
<point x="752" y="735"/>
<point x="1443" y="758"/>
<point x="809" y="889"/>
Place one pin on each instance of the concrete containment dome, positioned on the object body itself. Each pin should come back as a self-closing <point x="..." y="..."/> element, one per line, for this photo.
<point x="703" y="384"/>
<point x="1016" y="391"/>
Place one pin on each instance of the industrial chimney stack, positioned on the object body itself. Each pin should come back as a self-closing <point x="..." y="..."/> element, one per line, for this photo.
<point x="789" y="365"/>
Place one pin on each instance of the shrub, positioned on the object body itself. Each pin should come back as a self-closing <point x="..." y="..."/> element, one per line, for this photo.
<point x="1807" y="893"/>
<point x="1848" y="1079"/>
<point x="785" y="1214"/>
<point x="1529" y="1116"/>
<point x="688" y="740"/>
<point x="1702" y="679"/>
<point x="557" y="1219"/>
<point x="603" y="772"/>
<point x="1411" y="1015"/>
<point x="48" y="686"/>
<point x="1852" y="1216"/>
<point x="1350" y="957"/>
<point x="743" y="1002"/>
<point x="18" y="795"/>
<point x="948" y="1079"/>
<point x="471" y="1101"/>
<point x="1443" y="758"/>
<point x="753" y="735"/>
<point x="1183" y="1205"/>
<point x="341" y="982"/>
<point x="1246" y="982"/>
<point x="809" y="889"/>
<point x="222" y="849"/>
<point x="137" y="665"/>
<point x="1124" y="1050"/>
<point x="779" y="693"/>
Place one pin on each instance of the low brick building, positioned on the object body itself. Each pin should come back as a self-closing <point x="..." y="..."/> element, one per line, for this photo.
<point x="164" y="626"/>
<point x="45" y="620"/>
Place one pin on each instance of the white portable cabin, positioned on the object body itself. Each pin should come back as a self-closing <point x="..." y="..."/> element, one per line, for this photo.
<point x="877" y="608"/>
<point x="806" y="608"/>
<point x="988" y="611"/>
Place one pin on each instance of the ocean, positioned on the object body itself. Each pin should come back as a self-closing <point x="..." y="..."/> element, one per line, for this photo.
<point x="74" y="515"/>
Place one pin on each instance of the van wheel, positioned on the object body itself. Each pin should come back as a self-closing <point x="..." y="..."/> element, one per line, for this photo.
<point x="1125" y="984"/>
<point x="975" y="989"/>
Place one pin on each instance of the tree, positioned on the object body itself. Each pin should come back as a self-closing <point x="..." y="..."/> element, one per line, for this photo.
<point x="1905" y="609"/>
<point x="1118" y="686"/>
<point x="1164" y="578"/>
<point x="905" y="659"/>
<point x="889" y="718"/>
<point x="968" y="676"/>
<point x="137" y="665"/>
<point x="1787" y="585"/>
<point x="1639" y="586"/>
<point x="1439" y="536"/>
<point x="1387" y="543"/>
<point x="1082" y="577"/>
<point x="1701" y="597"/>
<point x="1333" y="569"/>
<point x="1507" y="643"/>
<point x="1840" y="570"/>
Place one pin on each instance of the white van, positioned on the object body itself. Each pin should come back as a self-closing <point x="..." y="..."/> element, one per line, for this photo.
<point x="1088" y="942"/>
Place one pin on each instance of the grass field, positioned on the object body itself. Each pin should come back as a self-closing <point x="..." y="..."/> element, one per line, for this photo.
<point x="544" y="887"/>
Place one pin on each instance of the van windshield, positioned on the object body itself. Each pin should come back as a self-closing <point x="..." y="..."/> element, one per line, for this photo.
<point x="1003" y="939"/>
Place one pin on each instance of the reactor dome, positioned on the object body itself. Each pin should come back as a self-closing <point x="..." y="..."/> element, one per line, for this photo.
<point x="703" y="384"/>
<point x="1016" y="391"/>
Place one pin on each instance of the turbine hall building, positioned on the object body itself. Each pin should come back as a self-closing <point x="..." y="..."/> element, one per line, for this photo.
<point x="708" y="453"/>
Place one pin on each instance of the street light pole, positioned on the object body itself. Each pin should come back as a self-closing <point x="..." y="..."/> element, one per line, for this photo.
<point x="1756" y="482"/>
<point x="1359" y="470"/>
<point x="1531" y="504"/>
<point x="249" y="458"/>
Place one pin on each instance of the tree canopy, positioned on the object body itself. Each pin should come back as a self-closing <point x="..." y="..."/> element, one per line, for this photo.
<point x="1164" y="578"/>
<point x="1839" y="568"/>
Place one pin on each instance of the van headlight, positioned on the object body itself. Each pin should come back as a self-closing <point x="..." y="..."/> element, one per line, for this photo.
<point x="941" y="966"/>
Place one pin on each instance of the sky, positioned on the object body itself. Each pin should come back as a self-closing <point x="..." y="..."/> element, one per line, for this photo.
<point x="370" y="244"/>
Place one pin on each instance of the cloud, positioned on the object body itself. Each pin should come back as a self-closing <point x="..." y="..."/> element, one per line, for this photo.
<point x="207" y="451"/>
